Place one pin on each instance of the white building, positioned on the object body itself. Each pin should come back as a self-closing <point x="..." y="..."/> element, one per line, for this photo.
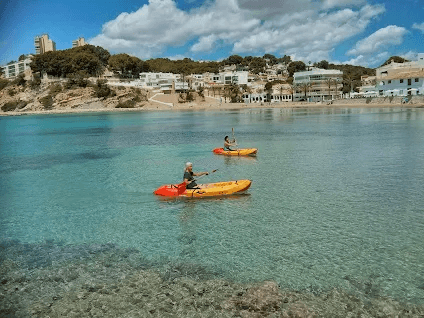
<point x="281" y="93"/>
<point x="14" y="69"/>
<point x="165" y="82"/>
<point x="318" y="85"/>
<point x="226" y="78"/>
<point x="401" y="79"/>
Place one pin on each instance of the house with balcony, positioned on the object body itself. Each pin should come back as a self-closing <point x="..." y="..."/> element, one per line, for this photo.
<point x="226" y="78"/>
<point x="318" y="85"/>
<point x="401" y="79"/>
<point x="165" y="82"/>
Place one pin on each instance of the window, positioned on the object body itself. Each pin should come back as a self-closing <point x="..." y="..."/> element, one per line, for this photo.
<point x="417" y="80"/>
<point x="390" y="81"/>
<point x="401" y="81"/>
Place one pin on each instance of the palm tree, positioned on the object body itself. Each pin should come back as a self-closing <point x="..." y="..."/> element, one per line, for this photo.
<point x="349" y="79"/>
<point x="305" y="87"/>
<point x="328" y="81"/>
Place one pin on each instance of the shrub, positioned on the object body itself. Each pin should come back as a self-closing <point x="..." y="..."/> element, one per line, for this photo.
<point x="55" y="89"/>
<point x="76" y="80"/>
<point x="121" y="88"/>
<point x="9" y="106"/>
<point x="35" y="82"/>
<point x="189" y="97"/>
<point x="20" y="80"/>
<point x="137" y="91"/>
<point x="3" y="83"/>
<point x="21" y="104"/>
<point x="137" y="99"/>
<point x="102" y="90"/>
<point x="369" y="99"/>
<point x="11" y="92"/>
<point x="127" y="104"/>
<point x="47" y="102"/>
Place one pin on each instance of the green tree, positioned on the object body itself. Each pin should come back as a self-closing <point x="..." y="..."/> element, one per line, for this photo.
<point x="272" y="59"/>
<point x="235" y="59"/>
<point x="268" y="89"/>
<point x="323" y="64"/>
<point x="257" y="65"/>
<point x="296" y="66"/>
<point x="285" y="60"/>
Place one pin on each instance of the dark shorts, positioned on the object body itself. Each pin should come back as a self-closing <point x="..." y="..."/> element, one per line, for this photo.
<point x="192" y="185"/>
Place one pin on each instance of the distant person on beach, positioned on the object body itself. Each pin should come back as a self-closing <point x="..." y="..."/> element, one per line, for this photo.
<point x="228" y="144"/>
<point x="188" y="176"/>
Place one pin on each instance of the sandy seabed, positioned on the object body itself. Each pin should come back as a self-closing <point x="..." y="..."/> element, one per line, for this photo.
<point x="102" y="280"/>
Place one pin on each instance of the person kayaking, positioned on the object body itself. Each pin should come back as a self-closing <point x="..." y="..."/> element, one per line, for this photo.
<point x="228" y="144"/>
<point x="188" y="176"/>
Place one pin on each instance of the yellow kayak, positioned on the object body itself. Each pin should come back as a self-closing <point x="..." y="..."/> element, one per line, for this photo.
<point x="208" y="190"/>
<point x="238" y="152"/>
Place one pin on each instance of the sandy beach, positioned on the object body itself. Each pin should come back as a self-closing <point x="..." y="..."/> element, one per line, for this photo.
<point x="214" y="106"/>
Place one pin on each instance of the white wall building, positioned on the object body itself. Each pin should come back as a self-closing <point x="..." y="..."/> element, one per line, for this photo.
<point x="226" y="78"/>
<point x="14" y="69"/>
<point x="401" y="79"/>
<point x="281" y="93"/>
<point x="162" y="81"/>
<point x="318" y="85"/>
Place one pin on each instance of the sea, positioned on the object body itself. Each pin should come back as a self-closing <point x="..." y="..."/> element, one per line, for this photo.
<point x="336" y="199"/>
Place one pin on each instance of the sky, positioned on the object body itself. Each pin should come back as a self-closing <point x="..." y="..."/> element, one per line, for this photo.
<point x="357" y="32"/>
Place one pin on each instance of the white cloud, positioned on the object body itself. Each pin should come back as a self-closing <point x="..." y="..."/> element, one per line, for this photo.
<point x="418" y="26"/>
<point x="368" y="60"/>
<point x="311" y="37"/>
<point x="205" y="43"/>
<point x="304" y="29"/>
<point x="410" y="56"/>
<point x="381" y="39"/>
<point x="341" y="3"/>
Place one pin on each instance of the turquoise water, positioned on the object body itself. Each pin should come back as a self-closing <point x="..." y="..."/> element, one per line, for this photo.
<point x="336" y="198"/>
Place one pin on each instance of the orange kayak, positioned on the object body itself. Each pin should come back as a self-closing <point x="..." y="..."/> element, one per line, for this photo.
<point x="209" y="190"/>
<point x="238" y="152"/>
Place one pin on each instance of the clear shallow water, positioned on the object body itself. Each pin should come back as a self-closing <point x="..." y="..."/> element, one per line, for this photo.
<point x="336" y="198"/>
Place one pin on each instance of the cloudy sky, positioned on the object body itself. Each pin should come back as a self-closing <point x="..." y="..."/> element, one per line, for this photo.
<point x="359" y="32"/>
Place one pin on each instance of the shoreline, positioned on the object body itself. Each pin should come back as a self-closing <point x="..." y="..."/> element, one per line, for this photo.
<point x="213" y="107"/>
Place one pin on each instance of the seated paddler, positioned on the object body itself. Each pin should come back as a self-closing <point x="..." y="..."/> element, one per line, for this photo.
<point x="189" y="176"/>
<point x="228" y="144"/>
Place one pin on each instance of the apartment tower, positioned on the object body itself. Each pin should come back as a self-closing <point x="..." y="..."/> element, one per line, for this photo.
<point x="78" y="42"/>
<point x="43" y="44"/>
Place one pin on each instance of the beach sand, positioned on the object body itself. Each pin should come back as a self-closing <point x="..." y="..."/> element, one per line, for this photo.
<point x="213" y="106"/>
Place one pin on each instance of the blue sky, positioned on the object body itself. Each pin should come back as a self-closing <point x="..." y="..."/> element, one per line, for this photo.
<point x="360" y="32"/>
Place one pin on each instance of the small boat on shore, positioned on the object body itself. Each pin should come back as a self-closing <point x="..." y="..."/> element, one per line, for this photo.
<point x="238" y="152"/>
<point x="208" y="190"/>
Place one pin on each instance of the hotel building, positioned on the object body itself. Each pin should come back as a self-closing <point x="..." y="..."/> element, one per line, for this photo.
<point x="318" y="85"/>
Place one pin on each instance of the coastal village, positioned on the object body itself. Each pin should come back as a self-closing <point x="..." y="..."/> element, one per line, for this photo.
<point x="126" y="82"/>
